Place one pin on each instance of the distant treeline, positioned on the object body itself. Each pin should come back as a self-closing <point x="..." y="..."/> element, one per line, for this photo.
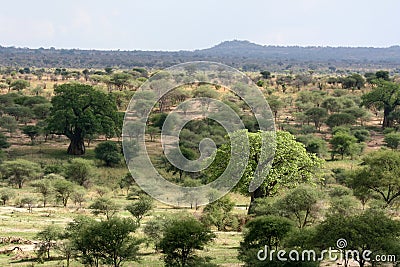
<point x="240" y="54"/>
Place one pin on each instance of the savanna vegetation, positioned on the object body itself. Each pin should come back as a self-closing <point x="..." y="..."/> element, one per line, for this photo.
<point x="67" y="198"/>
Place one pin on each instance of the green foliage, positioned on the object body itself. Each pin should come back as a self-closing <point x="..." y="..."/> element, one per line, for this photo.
<point x="300" y="205"/>
<point x="158" y="119"/>
<point x="28" y="201"/>
<point x="47" y="239"/>
<point x="63" y="189"/>
<point x="155" y="228"/>
<point x="104" y="206"/>
<point x="386" y="96"/>
<point x="5" y="195"/>
<point x="80" y="171"/>
<point x="380" y="173"/>
<point x="275" y="104"/>
<point x="382" y="74"/>
<point x="342" y="144"/>
<point x="152" y="131"/>
<point x="392" y="140"/>
<point x="314" y="144"/>
<point x="140" y="207"/>
<point x="340" y="119"/>
<point x="291" y="165"/>
<point x="371" y="230"/>
<point x="20" y="113"/>
<point x="19" y="85"/>
<point x="32" y="131"/>
<point x="44" y="187"/>
<point x="9" y="123"/>
<point x="79" y="110"/>
<point x="263" y="231"/>
<point x="353" y="81"/>
<point x="316" y="115"/>
<point x="362" y="135"/>
<point x="339" y="191"/>
<point x="265" y="74"/>
<point x="41" y="111"/>
<point x="3" y="141"/>
<point x="104" y="242"/>
<point x="344" y="206"/>
<point x="109" y="152"/>
<point x="219" y="214"/>
<point x="181" y="239"/>
<point x="18" y="171"/>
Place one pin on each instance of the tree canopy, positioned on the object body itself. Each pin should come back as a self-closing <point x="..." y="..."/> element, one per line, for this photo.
<point x="78" y="111"/>
<point x="386" y="96"/>
<point x="292" y="164"/>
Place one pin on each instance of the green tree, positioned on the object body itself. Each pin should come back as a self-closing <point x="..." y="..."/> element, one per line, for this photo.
<point x="140" y="207"/>
<point x="19" y="85"/>
<point x="3" y="141"/>
<point x="317" y="115"/>
<point x="342" y="143"/>
<point x="155" y="228"/>
<point x="381" y="174"/>
<point x="371" y="230"/>
<point x="260" y="232"/>
<point x="9" y="123"/>
<point x="47" y="239"/>
<point x="392" y="140"/>
<point x="300" y="204"/>
<point x="265" y="74"/>
<point x="291" y="165"/>
<point x="32" y="131"/>
<point x="63" y="189"/>
<point x="29" y="201"/>
<point x="120" y="80"/>
<point x="109" y="152"/>
<point x="20" y="113"/>
<point x="219" y="213"/>
<point x="152" y="131"/>
<point x="275" y="105"/>
<point x="109" y="242"/>
<point x="19" y="171"/>
<point x="340" y="119"/>
<point x="44" y="187"/>
<point x="382" y="74"/>
<point x="314" y="144"/>
<point x="5" y="195"/>
<point x="181" y="239"/>
<point x="186" y="152"/>
<point x="41" y="111"/>
<point x="104" y="206"/>
<point x="80" y="171"/>
<point x="79" y="110"/>
<point x="386" y="96"/>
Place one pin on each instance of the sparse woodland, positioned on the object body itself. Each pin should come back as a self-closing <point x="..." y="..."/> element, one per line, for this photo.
<point x="67" y="198"/>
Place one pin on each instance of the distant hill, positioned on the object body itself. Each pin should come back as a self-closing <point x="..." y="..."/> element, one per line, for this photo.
<point x="240" y="54"/>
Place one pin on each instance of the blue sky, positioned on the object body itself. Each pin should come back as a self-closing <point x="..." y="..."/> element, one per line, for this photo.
<point x="194" y="24"/>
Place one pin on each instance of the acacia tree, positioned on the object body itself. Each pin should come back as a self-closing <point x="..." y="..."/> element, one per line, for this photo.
<point x="300" y="205"/>
<point x="140" y="208"/>
<point x="78" y="111"/>
<point x="371" y="230"/>
<point x="292" y="165"/>
<point x="317" y="115"/>
<point x="381" y="174"/>
<point x="385" y="96"/>
<point x="18" y="171"/>
<point x="181" y="238"/>
<point x="107" y="242"/>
